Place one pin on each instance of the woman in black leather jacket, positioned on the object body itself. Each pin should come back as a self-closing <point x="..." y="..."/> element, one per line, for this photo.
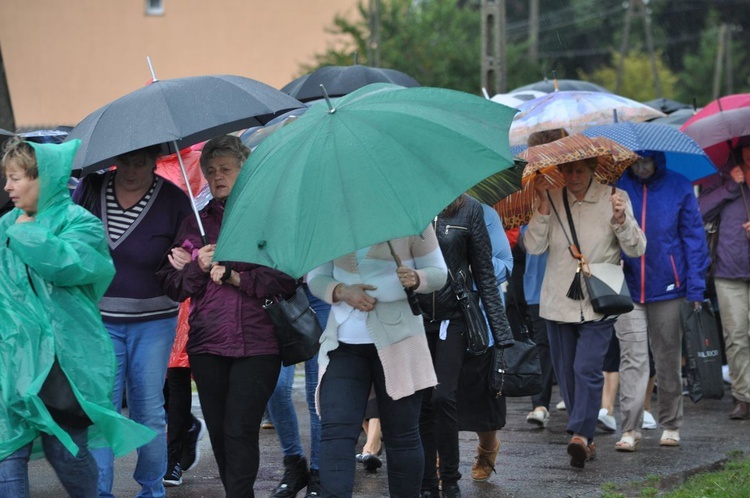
<point x="466" y="247"/>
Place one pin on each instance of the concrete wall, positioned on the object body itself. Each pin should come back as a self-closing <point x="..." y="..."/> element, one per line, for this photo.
<point x="65" y="58"/>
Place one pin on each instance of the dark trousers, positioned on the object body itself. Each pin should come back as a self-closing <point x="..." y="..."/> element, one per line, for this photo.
<point x="352" y="371"/>
<point x="233" y="394"/>
<point x="179" y="398"/>
<point x="438" y="422"/>
<point x="539" y="335"/>
<point x="578" y="351"/>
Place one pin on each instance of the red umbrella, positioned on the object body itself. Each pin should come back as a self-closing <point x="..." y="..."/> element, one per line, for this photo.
<point x="721" y="104"/>
<point x="719" y="134"/>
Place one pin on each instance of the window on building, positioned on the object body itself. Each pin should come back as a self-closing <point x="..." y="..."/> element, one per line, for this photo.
<point x="154" y="7"/>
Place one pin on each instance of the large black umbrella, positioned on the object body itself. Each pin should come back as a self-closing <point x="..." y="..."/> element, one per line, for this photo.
<point x="341" y="80"/>
<point x="667" y="106"/>
<point x="549" y="86"/>
<point x="175" y="113"/>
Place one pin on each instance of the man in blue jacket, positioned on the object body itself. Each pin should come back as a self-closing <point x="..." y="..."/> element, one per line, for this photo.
<point x="672" y="269"/>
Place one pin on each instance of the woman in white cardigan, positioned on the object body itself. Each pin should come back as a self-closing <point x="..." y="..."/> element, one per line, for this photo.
<point x="373" y="341"/>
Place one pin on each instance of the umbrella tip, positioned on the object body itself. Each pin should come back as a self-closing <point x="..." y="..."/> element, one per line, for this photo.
<point x="486" y="95"/>
<point x="355" y="55"/>
<point x="151" y="68"/>
<point x="554" y="80"/>
<point x="331" y="109"/>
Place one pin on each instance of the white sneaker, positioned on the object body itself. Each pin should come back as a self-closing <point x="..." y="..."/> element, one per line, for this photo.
<point x="725" y="374"/>
<point x="561" y="405"/>
<point x="538" y="417"/>
<point x="606" y="422"/>
<point x="648" y="420"/>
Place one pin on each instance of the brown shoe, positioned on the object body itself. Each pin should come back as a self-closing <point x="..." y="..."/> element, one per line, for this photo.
<point x="740" y="412"/>
<point x="484" y="464"/>
<point x="579" y="452"/>
<point x="592" y="451"/>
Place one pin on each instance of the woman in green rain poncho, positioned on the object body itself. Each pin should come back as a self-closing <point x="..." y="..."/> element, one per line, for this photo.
<point x="57" y="364"/>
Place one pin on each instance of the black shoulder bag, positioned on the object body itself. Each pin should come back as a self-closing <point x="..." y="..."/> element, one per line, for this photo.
<point x="477" y="332"/>
<point x="297" y="327"/>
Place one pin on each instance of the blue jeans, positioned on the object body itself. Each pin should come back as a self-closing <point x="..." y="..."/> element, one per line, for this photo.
<point x="142" y="350"/>
<point x="281" y="408"/>
<point x="78" y="474"/>
<point x="577" y="351"/>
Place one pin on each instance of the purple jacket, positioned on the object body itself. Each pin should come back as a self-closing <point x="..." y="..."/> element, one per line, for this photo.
<point x="725" y="200"/>
<point x="224" y="320"/>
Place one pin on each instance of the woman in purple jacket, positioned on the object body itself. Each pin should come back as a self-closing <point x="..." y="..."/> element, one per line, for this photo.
<point x="234" y="354"/>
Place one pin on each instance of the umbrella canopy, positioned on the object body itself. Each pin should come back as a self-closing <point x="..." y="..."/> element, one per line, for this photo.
<point x="667" y="106"/>
<point x="500" y="185"/>
<point x="727" y="103"/>
<point x="515" y="99"/>
<point x="675" y="119"/>
<point x="377" y="166"/>
<point x="575" y="111"/>
<point x="175" y="113"/>
<point x="553" y="85"/>
<point x="683" y="155"/>
<point x="718" y="134"/>
<point x="516" y="210"/>
<point x="342" y="80"/>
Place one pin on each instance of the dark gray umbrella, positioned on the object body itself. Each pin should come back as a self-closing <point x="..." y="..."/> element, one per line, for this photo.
<point x="175" y="113"/>
<point x="548" y="86"/>
<point x="341" y="80"/>
<point x="667" y="106"/>
<point x="675" y="119"/>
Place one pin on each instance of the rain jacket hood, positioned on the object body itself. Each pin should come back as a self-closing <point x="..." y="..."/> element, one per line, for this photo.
<point x="55" y="269"/>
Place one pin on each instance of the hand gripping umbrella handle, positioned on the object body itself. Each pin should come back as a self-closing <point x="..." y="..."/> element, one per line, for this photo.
<point x="411" y="296"/>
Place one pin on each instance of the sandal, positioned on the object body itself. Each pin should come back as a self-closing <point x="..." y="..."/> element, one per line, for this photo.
<point x="670" y="438"/>
<point x="629" y="442"/>
<point x="579" y="451"/>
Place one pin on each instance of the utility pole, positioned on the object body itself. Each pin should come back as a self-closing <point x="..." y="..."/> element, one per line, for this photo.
<point x="7" y="121"/>
<point x="646" y="12"/>
<point x="373" y="47"/>
<point x="624" y="45"/>
<point x="719" y="60"/>
<point x="534" y="31"/>
<point x="494" y="69"/>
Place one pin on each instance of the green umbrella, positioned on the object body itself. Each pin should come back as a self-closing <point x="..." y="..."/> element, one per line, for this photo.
<point x="379" y="165"/>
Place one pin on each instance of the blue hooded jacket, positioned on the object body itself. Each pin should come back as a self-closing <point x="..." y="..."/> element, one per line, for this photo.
<point x="676" y="259"/>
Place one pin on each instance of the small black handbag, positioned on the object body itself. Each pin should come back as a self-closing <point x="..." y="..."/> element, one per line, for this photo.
<point x="297" y="327"/>
<point x="477" y="331"/>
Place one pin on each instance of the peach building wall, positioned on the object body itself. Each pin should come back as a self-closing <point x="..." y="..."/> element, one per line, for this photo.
<point x="65" y="58"/>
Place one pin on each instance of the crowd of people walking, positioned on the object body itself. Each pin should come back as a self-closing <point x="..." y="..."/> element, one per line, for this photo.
<point x="104" y="271"/>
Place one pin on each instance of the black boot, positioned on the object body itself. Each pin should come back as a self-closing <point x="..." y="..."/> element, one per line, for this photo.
<point x="296" y="477"/>
<point x="313" y="487"/>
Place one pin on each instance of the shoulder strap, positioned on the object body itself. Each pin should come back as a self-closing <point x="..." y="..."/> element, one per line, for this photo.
<point x="572" y="245"/>
<point x="570" y="218"/>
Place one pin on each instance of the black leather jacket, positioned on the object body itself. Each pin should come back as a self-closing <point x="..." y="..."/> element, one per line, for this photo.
<point x="466" y="245"/>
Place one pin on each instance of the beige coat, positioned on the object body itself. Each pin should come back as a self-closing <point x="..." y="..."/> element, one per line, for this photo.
<point x="600" y="238"/>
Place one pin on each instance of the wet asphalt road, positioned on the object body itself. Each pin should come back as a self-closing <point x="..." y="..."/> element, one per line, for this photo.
<point x="532" y="462"/>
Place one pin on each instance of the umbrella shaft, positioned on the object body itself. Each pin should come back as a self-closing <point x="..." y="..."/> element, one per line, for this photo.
<point x="190" y="195"/>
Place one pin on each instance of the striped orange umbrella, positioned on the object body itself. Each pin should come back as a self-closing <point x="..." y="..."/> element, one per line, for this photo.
<point x="612" y="160"/>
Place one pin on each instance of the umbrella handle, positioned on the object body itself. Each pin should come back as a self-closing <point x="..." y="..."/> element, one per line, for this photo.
<point x="190" y="194"/>
<point x="411" y="296"/>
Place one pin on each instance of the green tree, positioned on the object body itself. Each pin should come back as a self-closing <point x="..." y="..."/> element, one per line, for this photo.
<point x="436" y="42"/>
<point x="637" y="76"/>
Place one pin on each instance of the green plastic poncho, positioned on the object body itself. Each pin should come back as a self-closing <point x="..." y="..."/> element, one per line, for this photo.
<point x="54" y="270"/>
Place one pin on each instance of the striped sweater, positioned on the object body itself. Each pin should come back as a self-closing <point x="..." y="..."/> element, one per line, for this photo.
<point x="397" y="334"/>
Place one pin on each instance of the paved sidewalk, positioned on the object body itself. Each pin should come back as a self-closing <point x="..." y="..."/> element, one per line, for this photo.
<point x="532" y="462"/>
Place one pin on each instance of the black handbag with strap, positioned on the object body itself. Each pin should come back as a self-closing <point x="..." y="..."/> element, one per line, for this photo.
<point x="477" y="330"/>
<point x="297" y="327"/>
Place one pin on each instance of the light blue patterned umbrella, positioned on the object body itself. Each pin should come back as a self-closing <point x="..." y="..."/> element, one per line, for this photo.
<point x="682" y="153"/>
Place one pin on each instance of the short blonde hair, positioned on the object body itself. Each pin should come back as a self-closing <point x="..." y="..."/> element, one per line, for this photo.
<point x="19" y="153"/>
<point x="225" y="145"/>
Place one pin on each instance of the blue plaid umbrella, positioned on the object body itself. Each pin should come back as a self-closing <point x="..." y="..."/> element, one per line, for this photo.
<point x="682" y="153"/>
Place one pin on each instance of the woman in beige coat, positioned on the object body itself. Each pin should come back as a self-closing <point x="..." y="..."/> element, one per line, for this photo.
<point x="578" y="336"/>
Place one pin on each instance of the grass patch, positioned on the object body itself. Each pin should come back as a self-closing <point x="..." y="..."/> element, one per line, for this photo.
<point x="731" y="480"/>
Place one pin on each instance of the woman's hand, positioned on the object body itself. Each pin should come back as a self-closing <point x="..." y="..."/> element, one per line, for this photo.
<point x="541" y="200"/>
<point x="618" y="208"/>
<point x="24" y="218"/>
<point x="206" y="256"/>
<point x="217" y="273"/>
<point x="355" y="296"/>
<point x="737" y="174"/>
<point x="408" y="277"/>
<point x="178" y="258"/>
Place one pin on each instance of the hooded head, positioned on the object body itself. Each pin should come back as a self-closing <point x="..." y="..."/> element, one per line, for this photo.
<point x="651" y="166"/>
<point x="38" y="173"/>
